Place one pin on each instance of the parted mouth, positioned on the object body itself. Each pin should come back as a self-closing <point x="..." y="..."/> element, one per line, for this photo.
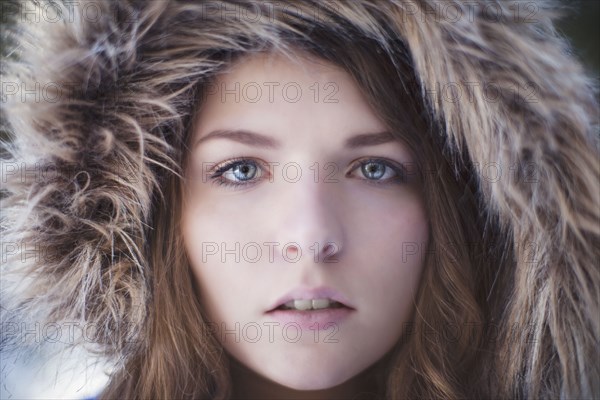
<point x="310" y="299"/>
<point x="314" y="304"/>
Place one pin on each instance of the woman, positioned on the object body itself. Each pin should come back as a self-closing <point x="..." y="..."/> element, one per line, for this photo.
<point x="441" y="204"/>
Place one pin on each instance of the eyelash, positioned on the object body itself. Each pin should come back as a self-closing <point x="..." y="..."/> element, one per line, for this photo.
<point x="217" y="176"/>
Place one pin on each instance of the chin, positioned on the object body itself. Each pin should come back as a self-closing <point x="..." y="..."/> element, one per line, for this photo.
<point x="310" y="378"/>
<point x="310" y="383"/>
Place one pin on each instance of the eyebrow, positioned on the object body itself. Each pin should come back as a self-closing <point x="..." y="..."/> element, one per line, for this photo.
<point x="259" y="140"/>
<point x="369" y="139"/>
<point x="241" y="136"/>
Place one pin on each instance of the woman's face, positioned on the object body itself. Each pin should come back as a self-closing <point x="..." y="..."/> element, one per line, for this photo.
<point x="315" y="199"/>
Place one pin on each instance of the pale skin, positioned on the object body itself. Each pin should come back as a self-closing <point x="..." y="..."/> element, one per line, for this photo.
<point x="332" y="211"/>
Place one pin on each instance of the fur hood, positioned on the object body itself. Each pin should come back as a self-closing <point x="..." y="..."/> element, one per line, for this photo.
<point x="94" y="119"/>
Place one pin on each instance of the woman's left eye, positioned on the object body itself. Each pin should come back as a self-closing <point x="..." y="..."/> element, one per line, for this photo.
<point x="380" y="171"/>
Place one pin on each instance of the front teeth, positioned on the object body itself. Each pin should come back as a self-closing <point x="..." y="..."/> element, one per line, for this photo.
<point x="315" y="304"/>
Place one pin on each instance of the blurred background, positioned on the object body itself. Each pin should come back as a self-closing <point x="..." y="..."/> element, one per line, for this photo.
<point x="582" y="27"/>
<point x="37" y="376"/>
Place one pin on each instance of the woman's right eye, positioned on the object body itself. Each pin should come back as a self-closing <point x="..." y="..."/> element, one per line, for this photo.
<point x="235" y="173"/>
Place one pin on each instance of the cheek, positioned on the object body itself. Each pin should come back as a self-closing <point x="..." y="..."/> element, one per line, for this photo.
<point x="392" y="257"/>
<point x="205" y="235"/>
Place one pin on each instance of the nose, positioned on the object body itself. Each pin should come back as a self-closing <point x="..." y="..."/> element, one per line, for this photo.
<point x="310" y="221"/>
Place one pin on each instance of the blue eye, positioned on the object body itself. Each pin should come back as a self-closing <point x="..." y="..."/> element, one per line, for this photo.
<point x="240" y="172"/>
<point x="374" y="170"/>
<point x="381" y="171"/>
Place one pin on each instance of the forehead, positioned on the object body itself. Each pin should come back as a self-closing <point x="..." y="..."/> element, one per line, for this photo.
<point x="294" y="66"/>
<point x="299" y="98"/>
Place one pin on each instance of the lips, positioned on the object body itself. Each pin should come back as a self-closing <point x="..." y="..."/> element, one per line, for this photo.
<point x="306" y="293"/>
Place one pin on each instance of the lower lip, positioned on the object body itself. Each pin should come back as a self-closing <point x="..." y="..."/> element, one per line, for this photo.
<point x="312" y="320"/>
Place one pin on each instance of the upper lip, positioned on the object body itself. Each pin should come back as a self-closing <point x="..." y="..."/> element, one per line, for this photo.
<point x="306" y="293"/>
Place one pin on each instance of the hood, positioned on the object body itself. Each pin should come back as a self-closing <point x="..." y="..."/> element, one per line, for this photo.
<point x="94" y="120"/>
